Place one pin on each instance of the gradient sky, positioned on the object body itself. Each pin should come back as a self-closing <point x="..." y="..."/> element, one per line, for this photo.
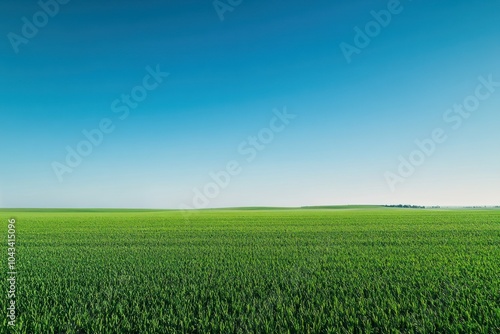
<point x="225" y="79"/>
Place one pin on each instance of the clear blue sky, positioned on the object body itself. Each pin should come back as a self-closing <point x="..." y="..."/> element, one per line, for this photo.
<point x="353" y="119"/>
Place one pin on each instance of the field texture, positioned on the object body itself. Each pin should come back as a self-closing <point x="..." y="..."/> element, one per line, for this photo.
<point x="255" y="271"/>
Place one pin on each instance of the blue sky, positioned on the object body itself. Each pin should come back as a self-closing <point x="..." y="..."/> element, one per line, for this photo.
<point x="353" y="119"/>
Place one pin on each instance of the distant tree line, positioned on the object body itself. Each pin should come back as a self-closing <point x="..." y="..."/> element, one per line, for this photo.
<point x="407" y="206"/>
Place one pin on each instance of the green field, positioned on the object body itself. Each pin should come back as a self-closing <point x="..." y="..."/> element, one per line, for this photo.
<point x="346" y="270"/>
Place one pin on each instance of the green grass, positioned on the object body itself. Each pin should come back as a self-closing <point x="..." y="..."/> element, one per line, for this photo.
<point x="365" y="270"/>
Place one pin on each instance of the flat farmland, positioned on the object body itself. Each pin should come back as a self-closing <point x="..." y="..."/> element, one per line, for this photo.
<point x="344" y="270"/>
